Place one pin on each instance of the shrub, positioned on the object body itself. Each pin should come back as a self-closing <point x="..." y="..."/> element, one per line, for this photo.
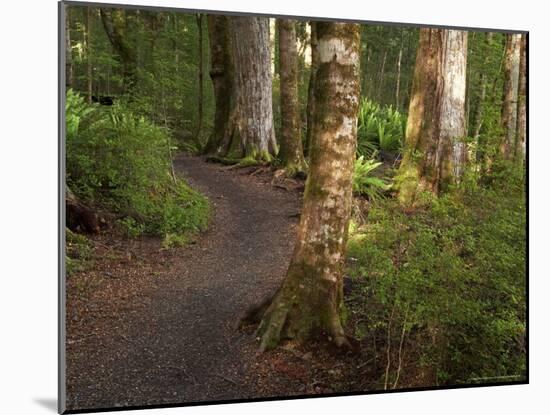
<point x="444" y="286"/>
<point x="122" y="163"/>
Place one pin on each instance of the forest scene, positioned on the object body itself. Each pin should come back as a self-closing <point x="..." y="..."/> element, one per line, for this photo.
<point x="261" y="207"/>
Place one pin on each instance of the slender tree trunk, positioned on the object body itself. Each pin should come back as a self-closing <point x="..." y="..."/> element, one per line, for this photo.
<point x="435" y="152"/>
<point x="310" y="299"/>
<point x="200" y="97"/>
<point x="478" y="117"/>
<point x="469" y="83"/>
<point x="88" y="19"/>
<point x="291" y="152"/>
<point x="69" y="69"/>
<point x="381" y="78"/>
<point x="253" y="111"/>
<point x="311" y="87"/>
<point x="114" y="22"/>
<point x="522" y="105"/>
<point x="398" y="79"/>
<point x="510" y="96"/>
<point x="221" y="73"/>
<point x="364" y="77"/>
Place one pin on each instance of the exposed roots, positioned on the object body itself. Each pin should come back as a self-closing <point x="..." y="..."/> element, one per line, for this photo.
<point x="280" y="322"/>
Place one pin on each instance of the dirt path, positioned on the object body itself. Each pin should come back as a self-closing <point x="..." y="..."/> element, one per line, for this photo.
<point x="160" y="327"/>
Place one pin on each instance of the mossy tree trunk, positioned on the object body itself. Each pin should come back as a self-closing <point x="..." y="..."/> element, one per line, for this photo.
<point x="291" y="152"/>
<point x="310" y="109"/>
<point x="114" y="23"/>
<point x="522" y="105"/>
<point x="435" y="152"/>
<point x="252" y="113"/>
<point x="221" y="74"/>
<point x="310" y="299"/>
<point x="510" y="96"/>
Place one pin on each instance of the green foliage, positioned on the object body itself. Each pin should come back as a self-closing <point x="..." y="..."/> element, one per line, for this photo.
<point x="122" y="162"/>
<point x="364" y="182"/>
<point x="167" y="47"/>
<point x="172" y="240"/>
<point x="379" y="128"/>
<point x="79" y="252"/>
<point x="448" y="282"/>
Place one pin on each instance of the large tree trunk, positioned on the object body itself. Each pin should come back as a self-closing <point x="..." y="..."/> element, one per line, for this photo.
<point x="310" y="299"/>
<point x="310" y="109"/>
<point x="522" y="105"/>
<point x="291" y="152"/>
<point x="435" y="152"/>
<point x="510" y="95"/>
<point x="253" y="111"/>
<point x="221" y="73"/>
<point x="114" y="24"/>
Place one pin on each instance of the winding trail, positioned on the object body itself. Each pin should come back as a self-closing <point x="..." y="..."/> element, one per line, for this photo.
<point x="178" y="342"/>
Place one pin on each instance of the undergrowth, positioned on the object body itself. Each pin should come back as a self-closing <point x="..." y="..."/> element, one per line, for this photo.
<point x="122" y="163"/>
<point x="440" y="295"/>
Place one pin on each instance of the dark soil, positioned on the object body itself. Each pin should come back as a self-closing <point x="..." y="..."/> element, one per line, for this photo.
<point x="149" y="326"/>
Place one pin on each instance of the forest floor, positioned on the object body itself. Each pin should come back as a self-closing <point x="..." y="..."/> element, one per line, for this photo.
<point x="147" y="325"/>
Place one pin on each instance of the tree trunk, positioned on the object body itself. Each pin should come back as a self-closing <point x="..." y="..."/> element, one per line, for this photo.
<point x="381" y="78"/>
<point x="69" y="70"/>
<point x="510" y="96"/>
<point x="310" y="299"/>
<point x="478" y="117"/>
<point x="80" y="217"/>
<point x="522" y="105"/>
<point x="200" y="97"/>
<point x="435" y="152"/>
<point x="221" y="73"/>
<point x="310" y="109"/>
<point x="291" y="152"/>
<point x="88" y="18"/>
<point x="398" y="78"/>
<point x="114" y="22"/>
<point x="253" y="111"/>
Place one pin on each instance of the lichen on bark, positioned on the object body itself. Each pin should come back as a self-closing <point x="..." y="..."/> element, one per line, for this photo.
<point x="310" y="299"/>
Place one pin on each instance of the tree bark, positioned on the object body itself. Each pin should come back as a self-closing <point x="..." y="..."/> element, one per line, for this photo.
<point x="381" y="78"/>
<point x="310" y="108"/>
<point x="291" y="152"/>
<point x="114" y="23"/>
<point x="522" y="104"/>
<point x="253" y="111"/>
<point x="398" y="78"/>
<point x="310" y="299"/>
<point x="510" y="96"/>
<point x="435" y="152"/>
<point x="69" y="69"/>
<point x="88" y="18"/>
<point x="200" y="97"/>
<point x="221" y="73"/>
<point x="478" y="117"/>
